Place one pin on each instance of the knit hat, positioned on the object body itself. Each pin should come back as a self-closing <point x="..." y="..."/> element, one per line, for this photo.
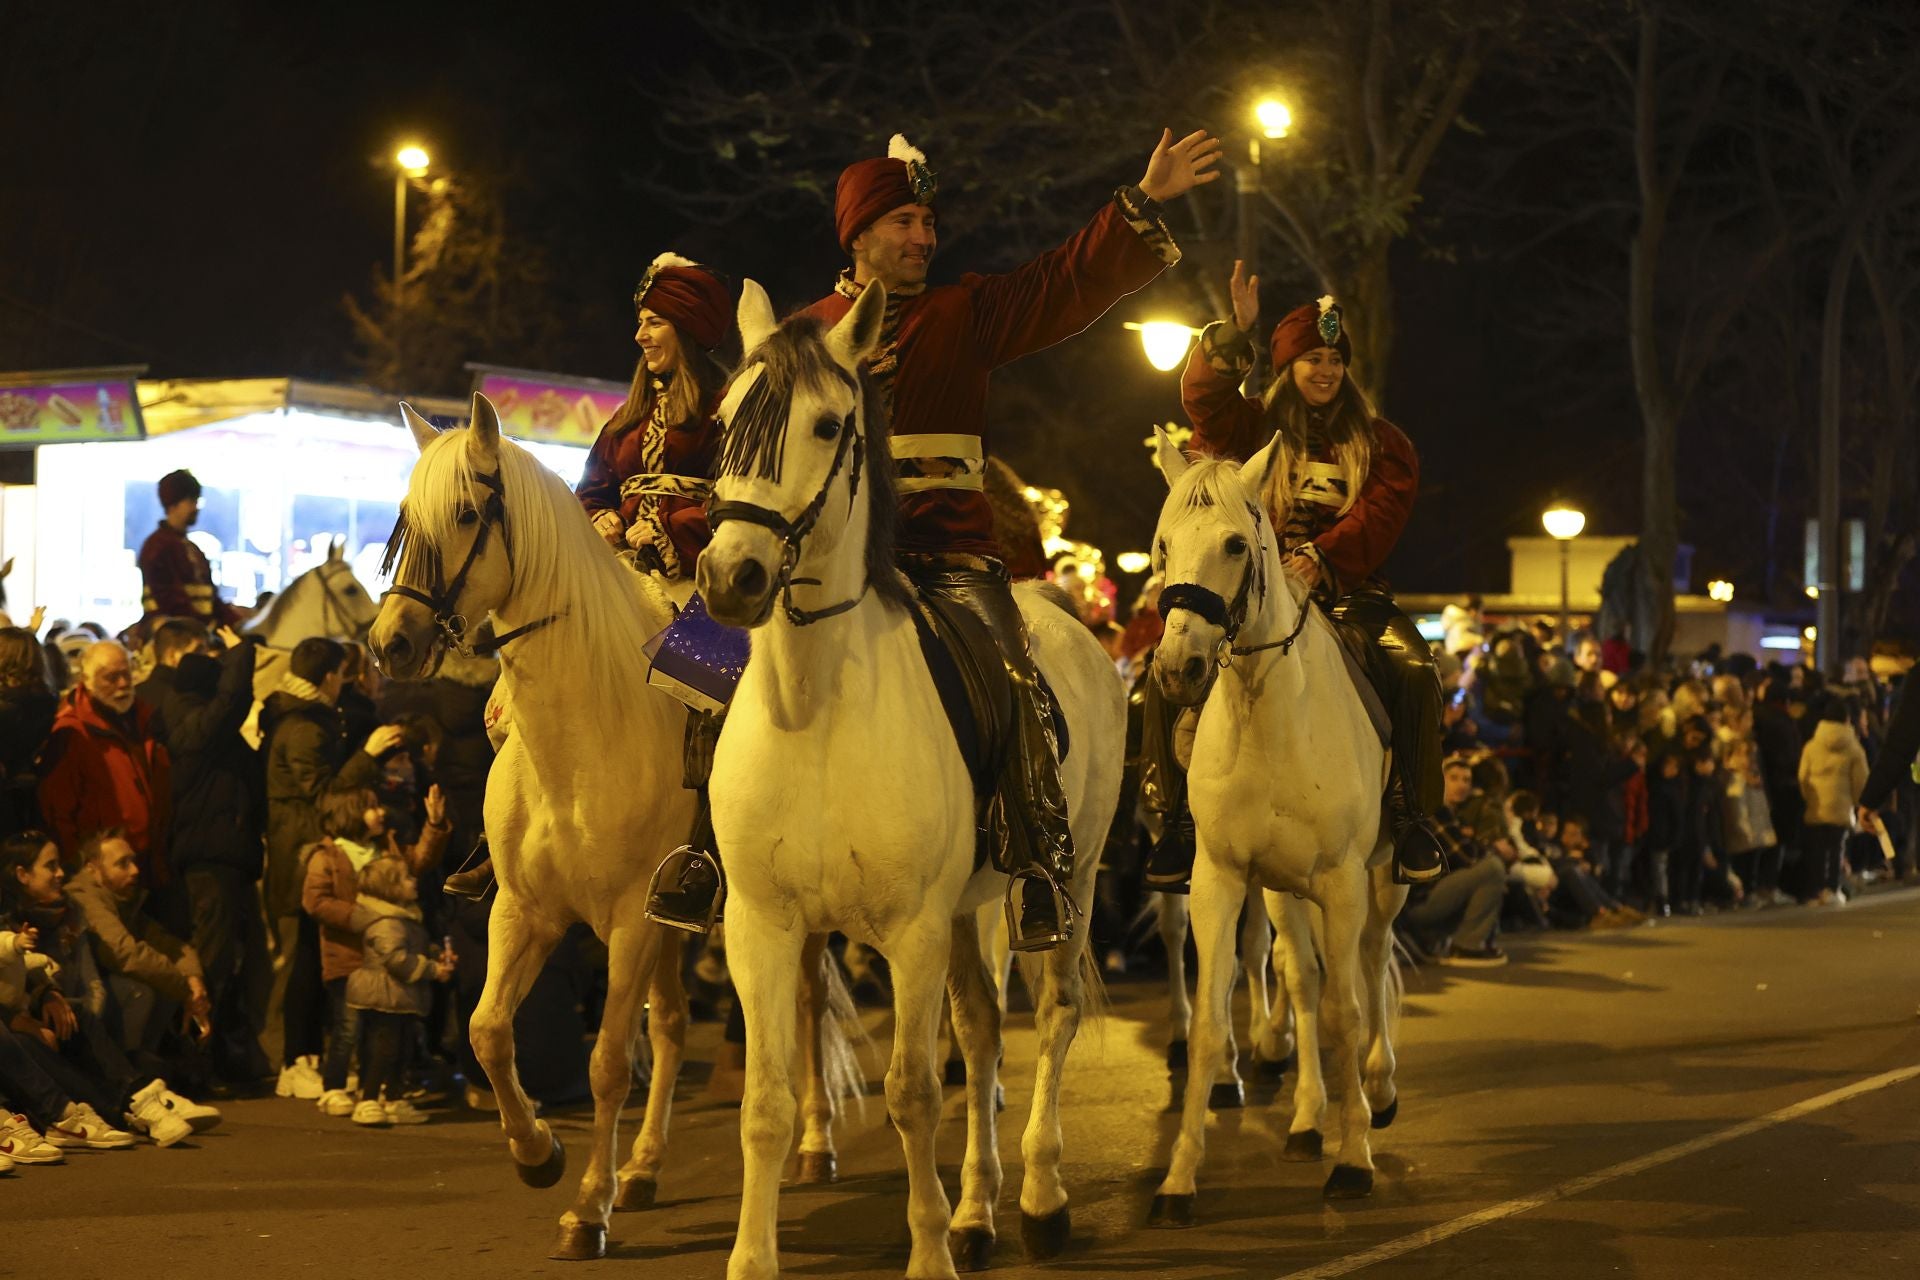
<point x="871" y="188"/>
<point x="690" y="297"/>
<point x="178" y="486"/>
<point x="1317" y="324"/>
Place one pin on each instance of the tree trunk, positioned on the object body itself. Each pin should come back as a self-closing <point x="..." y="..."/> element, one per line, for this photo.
<point x="1369" y="303"/>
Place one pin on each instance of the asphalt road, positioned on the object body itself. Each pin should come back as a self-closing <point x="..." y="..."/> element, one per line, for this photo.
<point x="1608" y="1105"/>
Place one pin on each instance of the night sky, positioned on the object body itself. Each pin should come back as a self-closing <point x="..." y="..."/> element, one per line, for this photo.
<point x="195" y="188"/>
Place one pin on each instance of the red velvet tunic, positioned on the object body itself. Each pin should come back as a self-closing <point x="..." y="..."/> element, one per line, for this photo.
<point x="178" y="581"/>
<point x="1226" y="424"/>
<point x="941" y="345"/>
<point x="687" y="449"/>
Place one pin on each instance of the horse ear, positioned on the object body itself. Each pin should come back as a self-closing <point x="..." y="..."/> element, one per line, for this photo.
<point x="1255" y="470"/>
<point x="858" y="333"/>
<point x="423" y="431"/>
<point x="1173" y="463"/>
<point x="6" y="568"/>
<point x="485" y="436"/>
<point x="755" y="316"/>
<point x="338" y="551"/>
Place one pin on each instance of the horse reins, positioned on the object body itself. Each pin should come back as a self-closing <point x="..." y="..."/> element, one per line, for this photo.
<point x="451" y="625"/>
<point x="792" y="533"/>
<point x="1230" y="618"/>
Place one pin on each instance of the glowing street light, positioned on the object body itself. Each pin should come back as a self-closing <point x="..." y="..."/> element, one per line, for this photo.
<point x="1274" y="117"/>
<point x="1564" y="521"/>
<point x="1721" y="590"/>
<point x="413" y="160"/>
<point x="1165" y="341"/>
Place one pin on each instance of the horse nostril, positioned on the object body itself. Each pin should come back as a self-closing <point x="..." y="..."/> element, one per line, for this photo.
<point x="398" y="648"/>
<point x="1194" y="670"/>
<point x="750" y="579"/>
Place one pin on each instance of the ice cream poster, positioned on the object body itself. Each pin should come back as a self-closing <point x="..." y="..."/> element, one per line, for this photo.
<point x="68" y="413"/>
<point x="552" y="411"/>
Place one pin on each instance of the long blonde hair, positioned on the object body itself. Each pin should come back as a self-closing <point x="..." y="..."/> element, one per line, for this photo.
<point x="1347" y="423"/>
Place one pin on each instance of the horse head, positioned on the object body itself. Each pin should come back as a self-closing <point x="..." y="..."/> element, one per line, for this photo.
<point x="795" y="434"/>
<point x="1215" y="549"/>
<point x="454" y="515"/>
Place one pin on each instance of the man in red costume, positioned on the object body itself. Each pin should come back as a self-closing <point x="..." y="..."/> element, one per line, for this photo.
<point x="178" y="580"/>
<point x="938" y="347"/>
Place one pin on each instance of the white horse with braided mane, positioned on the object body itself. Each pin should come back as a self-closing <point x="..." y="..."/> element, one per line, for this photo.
<point x="842" y="800"/>
<point x="1285" y="786"/>
<point x="584" y="799"/>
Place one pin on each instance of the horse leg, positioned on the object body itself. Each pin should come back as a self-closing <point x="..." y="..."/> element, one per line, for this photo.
<point x="517" y="947"/>
<point x="817" y="1035"/>
<point x="975" y="1015"/>
<point x="633" y="945"/>
<point x="1345" y="909"/>
<point x="1173" y="938"/>
<point x="639" y="1177"/>
<point x="1383" y="993"/>
<point x="1217" y="896"/>
<point x="1256" y="946"/>
<point x="765" y="960"/>
<point x="1276" y="1037"/>
<point x="919" y="958"/>
<point x="1300" y="971"/>
<point x="1059" y="1003"/>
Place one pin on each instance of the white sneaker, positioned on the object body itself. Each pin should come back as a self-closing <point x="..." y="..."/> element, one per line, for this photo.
<point x="81" y="1126"/>
<point x="151" y="1115"/>
<point x="335" y="1102"/>
<point x="6" y="1164"/>
<point x="300" y="1079"/>
<point x="198" y="1114"/>
<point x="372" y="1113"/>
<point x="404" y="1112"/>
<point x="21" y="1143"/>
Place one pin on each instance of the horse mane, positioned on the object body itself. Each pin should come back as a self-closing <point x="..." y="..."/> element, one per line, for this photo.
<point x="560" y="564"/>
<point x="1215" y="484"/>
<point x="265" y="624"/>
<point x="795" y="358"/>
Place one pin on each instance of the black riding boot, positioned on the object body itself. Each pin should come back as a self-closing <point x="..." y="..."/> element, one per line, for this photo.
<point x="1039" y="849"/>
<point x="474" y="881"/>
<point x="1163" y="790"/>
<point x="689" y="887"/>
<point x="1405" y="679"/>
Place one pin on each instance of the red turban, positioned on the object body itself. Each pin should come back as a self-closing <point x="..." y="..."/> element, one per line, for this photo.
<point x="1318" y="324"/>
<point x="178" y="486"/>
<point x="688" y="296"/>
<point x="869" y="189"/>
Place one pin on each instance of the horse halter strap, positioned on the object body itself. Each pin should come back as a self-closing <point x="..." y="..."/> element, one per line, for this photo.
<point x="445" y="598"/>
<point x="1208" y="603"/>
<point x="792" y="533"/>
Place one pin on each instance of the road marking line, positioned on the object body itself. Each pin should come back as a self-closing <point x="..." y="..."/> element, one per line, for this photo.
<point x="1587" y="1182"/>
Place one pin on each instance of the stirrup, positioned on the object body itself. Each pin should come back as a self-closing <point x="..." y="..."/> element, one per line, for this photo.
<point x="657" y="909"/>
<point x="1044" y="935"/>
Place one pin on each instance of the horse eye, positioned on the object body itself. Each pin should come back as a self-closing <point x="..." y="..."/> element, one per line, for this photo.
<point x="469" y="517"/>
<point x="1236" y="545"/>
<point x="826" y="428"/>
<point x="1160" y="552"/>
<point x="352" y="590"/>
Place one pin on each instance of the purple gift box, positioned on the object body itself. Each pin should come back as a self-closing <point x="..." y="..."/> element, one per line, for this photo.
<point x="698" y="660"/>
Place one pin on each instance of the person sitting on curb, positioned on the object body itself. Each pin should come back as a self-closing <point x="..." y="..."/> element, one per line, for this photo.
<point x="1453" y="919"/>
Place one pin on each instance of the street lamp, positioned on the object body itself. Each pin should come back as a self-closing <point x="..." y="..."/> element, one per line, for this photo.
<point x="1720" y="590"/>
<point x="410" y="161"/>
<point x="1273" y="116"/>
<point x="1273" y="119"/>
<point x="1165" y="341"/>
<point x="1564" y="522"/>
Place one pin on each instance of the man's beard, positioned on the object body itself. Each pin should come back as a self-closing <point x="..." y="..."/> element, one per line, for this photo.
<point x="193" y="518"/>
<point x="119" y="704"/>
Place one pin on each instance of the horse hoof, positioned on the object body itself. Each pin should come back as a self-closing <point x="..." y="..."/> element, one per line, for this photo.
<point x="1384" y="1117"/>
<point x="1176" y="1055"/>
<point x="817" y="1167"/>
<point x="1304" y="1145"/>
<point x="1228" y="1095"/>
<point x="972" y="1249"/>
<point x="955" y="1074"/>
<point x="636" y="1194"/>
<point x="580" y="1242"/>
<point x="1046" y="1237"/>
<point x="1172" y="1212"/>
<point x="548" y="1171"/>
<point x="1348" y="1182"/>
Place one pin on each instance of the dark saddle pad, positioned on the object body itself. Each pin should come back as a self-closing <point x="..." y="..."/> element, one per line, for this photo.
<point x="977" y="692"/>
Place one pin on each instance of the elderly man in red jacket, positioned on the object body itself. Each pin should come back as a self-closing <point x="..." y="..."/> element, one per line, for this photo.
<point x="104" y="768"/>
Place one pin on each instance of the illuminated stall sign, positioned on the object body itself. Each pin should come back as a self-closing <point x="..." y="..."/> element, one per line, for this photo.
<point x="69" y="411"/>
<point x="547" y="409"/>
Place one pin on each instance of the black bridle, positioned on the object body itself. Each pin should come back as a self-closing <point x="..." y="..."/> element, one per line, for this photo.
<point x="1230" y="618"/>
<point x="792" y="533"/>
<point x="450" y="625"/>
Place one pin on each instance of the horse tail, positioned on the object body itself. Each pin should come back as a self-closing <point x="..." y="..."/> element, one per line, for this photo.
<point x="842" y="1039"/>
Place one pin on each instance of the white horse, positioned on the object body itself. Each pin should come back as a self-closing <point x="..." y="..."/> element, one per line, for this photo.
<point x="326" y="600"/>
<point x="584" y="799"/>
<point x="1286" y="779"/>
<point x="841" y="798"/>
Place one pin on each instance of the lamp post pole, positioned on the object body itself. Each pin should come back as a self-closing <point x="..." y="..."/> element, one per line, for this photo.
<point x="410" y="161"/>
<point x="399" y="229"/>
<point x="1563" y="523"/>
<point x="1566" y="557"/>
<point x="1246" y="184"/>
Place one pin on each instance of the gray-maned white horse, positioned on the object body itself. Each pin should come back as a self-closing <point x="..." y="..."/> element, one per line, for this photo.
<point x="584" y="798"/>
<point x="842" y="800"/>
<point x="326" y="600"/>
<point x="1285" y="786"/>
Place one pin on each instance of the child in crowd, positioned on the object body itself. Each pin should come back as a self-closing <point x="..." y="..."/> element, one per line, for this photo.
<point x="1666" y="823"/>
<point x="1746" y="824"/>
<point x="389" y="989"/>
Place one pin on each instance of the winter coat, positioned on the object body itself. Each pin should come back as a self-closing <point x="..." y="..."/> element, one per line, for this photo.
<point x="1779" y="741"/>
<point x="1898" y="748"/>
<point x="1833" y="773"/>
<point x="102" y="770"/>
<point x="1634" y="815"/>
<point x="1666" y="807"/>
<point x="68" y="943"/>
<point x="396" y="961"/>
<point x="218" y="787"/>
<point x="307" y="754"/>
<point x="331" y="887"/>
<point x="1745" y="819"/>
<point x="131" y="943"/>
<point x="26" y="720"/>
<point x="1591" y="778"/>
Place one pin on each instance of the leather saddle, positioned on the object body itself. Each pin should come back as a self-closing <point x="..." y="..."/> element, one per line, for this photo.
<point x="977" y="693"/>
